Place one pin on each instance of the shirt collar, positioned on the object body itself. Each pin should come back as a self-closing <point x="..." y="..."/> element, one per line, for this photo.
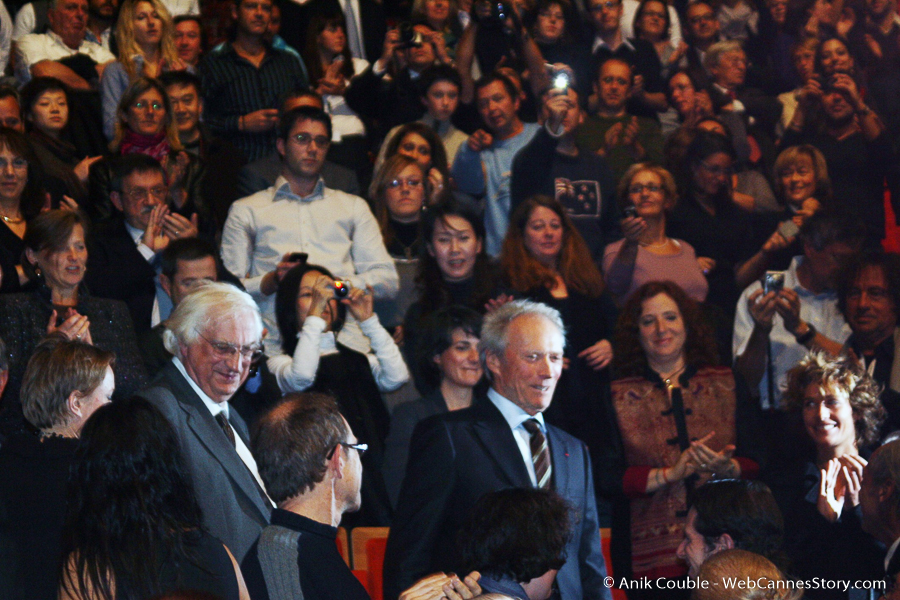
<point x="60" y="41"/>
<point x="512" y="413"/>
<point x="214" y="407"/>
<point x="600" y="43"/>
<point x="135" y="233"/>
<point x="283" y="190"/>
<point x="890" y="554"/>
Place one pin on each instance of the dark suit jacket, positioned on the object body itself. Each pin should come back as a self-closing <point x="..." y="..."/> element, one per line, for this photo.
<point x="233" y="509"/>
<point x="117" y="270"/>
<point x="456" y="458"/>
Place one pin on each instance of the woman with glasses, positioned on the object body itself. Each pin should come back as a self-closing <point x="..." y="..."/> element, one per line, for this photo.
<point x="145" y="35"/>
<point x="57" y="301"/>
<point x="146" y="125"/>
<point x="310" y="309"/>
<point x="646" y="195"/>
<point x="725" y="235"/>
<point x="652" y="23"/>
<point x="21" y="199"/>
<point x="419" y="141"/>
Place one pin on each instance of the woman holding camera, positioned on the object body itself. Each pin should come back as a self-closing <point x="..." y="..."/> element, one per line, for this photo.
<point x="310" y="308"/>
<point x="646" y="195"/>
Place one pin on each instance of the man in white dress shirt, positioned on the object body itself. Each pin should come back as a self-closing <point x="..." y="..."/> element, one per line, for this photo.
<point x="57" y="52"/>
<point x="299" y="214"/>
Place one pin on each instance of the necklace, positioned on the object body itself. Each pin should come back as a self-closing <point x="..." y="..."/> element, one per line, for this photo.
<point x="665" y="242"/>
<point x="13" y="220"/>
<point x="671" y="376"/>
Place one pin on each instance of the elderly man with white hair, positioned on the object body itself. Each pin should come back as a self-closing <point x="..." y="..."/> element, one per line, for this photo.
<point x="214" y="333"/>
<point x="500" y="442"/>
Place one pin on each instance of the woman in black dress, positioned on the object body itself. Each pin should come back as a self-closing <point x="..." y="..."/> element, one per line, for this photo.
<point x="21" y="199"/>
<point x="55" y="258"/>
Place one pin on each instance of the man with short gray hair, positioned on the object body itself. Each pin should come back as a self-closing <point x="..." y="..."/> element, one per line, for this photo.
<point x="500" y="442"/>
<point x="214" y="334"/>
<point x="879" y="501"/>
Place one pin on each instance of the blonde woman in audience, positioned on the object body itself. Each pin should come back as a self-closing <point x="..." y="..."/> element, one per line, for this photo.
<point x="145" y="36"/>
<point x="768" y="582"/>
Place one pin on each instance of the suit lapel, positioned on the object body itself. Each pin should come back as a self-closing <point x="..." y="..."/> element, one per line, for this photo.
<point x="495" y="436"/>
<point x="208" y="432"/>
<point x="559" y="457"/>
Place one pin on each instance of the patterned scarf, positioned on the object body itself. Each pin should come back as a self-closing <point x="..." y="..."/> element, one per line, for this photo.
<point x="151" y="145"/>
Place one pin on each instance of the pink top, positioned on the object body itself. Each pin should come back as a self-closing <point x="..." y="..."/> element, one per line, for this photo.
<point x="681" y="268"/>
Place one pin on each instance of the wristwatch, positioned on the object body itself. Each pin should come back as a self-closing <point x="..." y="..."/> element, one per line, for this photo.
<point x="807" y="336"/>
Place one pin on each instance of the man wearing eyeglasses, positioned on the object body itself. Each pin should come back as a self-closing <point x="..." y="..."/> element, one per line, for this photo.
<point x="299" y="214"/>
<point x="124" y="250"/>
<point x="214" y="334"/>
<point x="775" y="328"/>
<point x="296" y="556"/>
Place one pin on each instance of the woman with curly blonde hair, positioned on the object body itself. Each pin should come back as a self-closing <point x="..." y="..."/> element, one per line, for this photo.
<point x="837" y="403"/>
<point x="145" y="36"/>
<point x="544" y="258"/>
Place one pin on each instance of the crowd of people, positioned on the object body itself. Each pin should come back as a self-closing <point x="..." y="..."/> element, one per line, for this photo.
<point x="496" y="275"/>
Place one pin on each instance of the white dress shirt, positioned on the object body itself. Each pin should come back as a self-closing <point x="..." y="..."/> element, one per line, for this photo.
<point x="35" y="47"/>
<point x="138" y="236"/>
<point x="222" y="407"/>
<point x="337" y="230"/>
<point x="818" y="309"/>
<point x="515" y="418"/>
<point x="297" y="373"/>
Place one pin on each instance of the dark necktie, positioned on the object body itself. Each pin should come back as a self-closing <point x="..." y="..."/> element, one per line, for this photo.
<point x="222" y="420"/>
<point x="540" y="453"/>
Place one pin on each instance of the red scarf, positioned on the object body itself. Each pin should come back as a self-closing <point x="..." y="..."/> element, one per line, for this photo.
<point x="151" y="145"/>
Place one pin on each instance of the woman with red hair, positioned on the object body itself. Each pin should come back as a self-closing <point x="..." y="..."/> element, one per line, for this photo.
<point x="544" y="258"/>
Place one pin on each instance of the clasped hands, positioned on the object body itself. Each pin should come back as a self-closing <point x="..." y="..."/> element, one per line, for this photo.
<point x="841" y="480"/>
<point x="699" y="458"/>
<point x="165" y="226"/>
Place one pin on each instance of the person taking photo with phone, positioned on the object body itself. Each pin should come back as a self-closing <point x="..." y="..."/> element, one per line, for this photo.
<point x="775" y="326"/>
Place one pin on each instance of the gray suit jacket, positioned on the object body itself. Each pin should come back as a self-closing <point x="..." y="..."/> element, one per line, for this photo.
<point x="233" y="509"/>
